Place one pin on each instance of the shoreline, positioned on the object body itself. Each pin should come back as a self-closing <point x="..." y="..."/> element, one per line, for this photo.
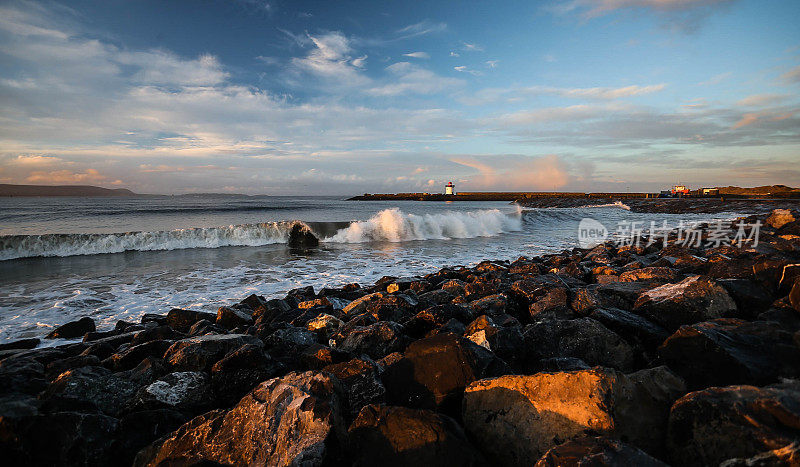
<point x="462" y="354"/>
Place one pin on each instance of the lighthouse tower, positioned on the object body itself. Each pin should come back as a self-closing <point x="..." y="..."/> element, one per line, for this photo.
<point x="449" y="189"/>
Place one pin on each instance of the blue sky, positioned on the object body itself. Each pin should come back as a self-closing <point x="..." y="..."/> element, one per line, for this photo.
<point x="343" y="98"/>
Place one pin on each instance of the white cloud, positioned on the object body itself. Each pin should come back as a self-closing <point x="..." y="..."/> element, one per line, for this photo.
<point x="596" y="93"/>
<point x="464" y="69"/>
<point x="492" y="63"/>
<point x="420" y="29"/>
<point x="330" y="58"/>
<point x="417" y="55"/>
<point x="760" y="100"/>
<point x="410" y="78"/>
<point x="471" y="47"/>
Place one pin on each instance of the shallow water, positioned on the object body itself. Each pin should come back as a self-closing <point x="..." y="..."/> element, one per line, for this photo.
<point x="67" y="257"/>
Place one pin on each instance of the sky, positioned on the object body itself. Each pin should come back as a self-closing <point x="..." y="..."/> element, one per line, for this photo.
<point x="348" y="97"/>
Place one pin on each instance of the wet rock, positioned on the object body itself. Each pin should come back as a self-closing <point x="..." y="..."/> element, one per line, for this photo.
<point x="554" y="303"/>
<point x="156" y="333"/>
<point x="274" y="310"/>
<point x="240" y="371"/>
<point x="750" y="297"/>
<point x="506" y="342"/>
<point x="516" y="419"/>
<point x="182" y="320"/>
<point x="780" y="217"/>
<point x="185" y="391"/>
<point x="434" y="372"/>
<point x="716" y="424"/>
<point x="436" y="297"/>
<point x="621" y="294"/>
<point x="690" y="301"/>
<point x="359" y="305"/>
<point x="730" y="351"/>
<point x="330" y="302"/>
<point x="159" y="320"/>
<point x="100" y="350"/>
<point x="455" y="287"/>
<point x="293" y="420"/>
<point x="301" y="236"/>
<point x="562" y="364"/>
<point x="230" y="318"/>
<point x="787" y="455"/>
<point x="73" y="329"/>
<point x="386" y="435"/>
<point x="396" y="308"/>
<point x="316" y="356"/>
<point x="138" y="429"/>
<point x="22" y="374"/>
<point x="637" y="330"/>
<point x="658" y="274"/>
<point x="434" y="317"/>
<point x="376" y="340"/>
<point x="582" y="338"/>
<point x="491" y="305"/>
<point x="58" y="439"/>
<point x="361" y="382"/>
<point x="324" y="326"/>
<point x="597" y="451"/>
<point x="53" y="369"/>
<point x="20" y="344"/>
<point x="201" y="353"/>
<point x="132" y="356"/>
<point x="97" y="386"/>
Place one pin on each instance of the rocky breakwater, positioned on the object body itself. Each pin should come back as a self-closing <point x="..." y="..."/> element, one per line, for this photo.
<point x="618" y="355"/>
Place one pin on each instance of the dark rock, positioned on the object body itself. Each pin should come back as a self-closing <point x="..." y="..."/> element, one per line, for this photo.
<point x="731" y="351"/>
<point x="253" y="301"/>
<point x="97" y="386"/>
<point x="101" y="350"/>
<point x="201" y="353"/>
<point x="656" y="274"/>
<point x="516" y="419"/>
<point x="562" y="364"/>
<point x="505" y="342"/>
<point x="53" y="369"/>
<point x="156" y="333"/>
<point x="716" y="424"/>
<point x="491" y="305"/>
<point x="690" y="301"/>
<point x="205" y="327"/>
<point x="240" y="371"/>
<point x="434" y="372"/>
<point x="582" y="338"/>
<point x="376" y="340"/>
<point x="434" y="317"/>
<point x="73" y="329"/>
<point x="132" y="356"/>
<point x="230" y="318"/>
<point x="324" y="326"/>
<point x="794" y="296"/>
<point x="160" y="320"/>
<point x="361" y="382"/>
<point x="182" y="320"/>
<point x="399" y="436"/>
<point x="359" y="305"/>
<point x="596" y="451"/>
<point x="293" y="420"/>
<point x="780" y="217"/>
<point x="316" y="356"/>
<point x="621" y="294"/>
<point x="138" y="429"/>
<point x="301" y="236"/>
<point x="787" y="455"/>
<point x="750" y="297"/>
<point x="20" y="344"/>
<point x="637" y="330"/>
<point x="22" y="374"/>
<point x="185" y="391"/>
<point x="398" y="307"/>
<point x="436" y="297"/>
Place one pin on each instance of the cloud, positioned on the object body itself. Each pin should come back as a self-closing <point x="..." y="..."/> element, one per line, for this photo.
<point x="422" y="28"/>
<point x="471" y="47"/>
<point x="492" y="63"/>
<point x="412" y="79"/>
<point x="29" y="160"/>
<point x="598" y="93"/>
<point x="65" y="176"/>
<point x="792" y="76"/>
<point x="760" y="100"/>
<point x="681" y="15"/>
<point x="464" y="69"/>
<point x="417" y="55"/>
<point x="330" y="58"/>
<point x="515" y="173"/>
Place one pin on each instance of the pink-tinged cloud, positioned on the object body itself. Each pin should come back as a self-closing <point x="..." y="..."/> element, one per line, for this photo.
<point x="66" y="176"/>
<point x="535" y="173"/>
<point x="747" y="119"/>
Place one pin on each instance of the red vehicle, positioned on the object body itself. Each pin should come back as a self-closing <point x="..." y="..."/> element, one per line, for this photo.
<point x="680" y="191"/>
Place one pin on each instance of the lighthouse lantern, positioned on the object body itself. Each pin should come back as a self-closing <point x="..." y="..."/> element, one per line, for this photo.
<point x="449" y="189"/>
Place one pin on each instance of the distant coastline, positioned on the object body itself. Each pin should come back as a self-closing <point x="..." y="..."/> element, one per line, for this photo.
<point x="8" y="190"/>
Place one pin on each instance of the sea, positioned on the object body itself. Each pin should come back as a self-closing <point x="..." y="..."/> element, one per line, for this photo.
<point x="113" y="259"/>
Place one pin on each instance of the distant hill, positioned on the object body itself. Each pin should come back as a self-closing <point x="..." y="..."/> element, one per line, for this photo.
<point x="758" y="190"/>
<point x="61" y="190"/>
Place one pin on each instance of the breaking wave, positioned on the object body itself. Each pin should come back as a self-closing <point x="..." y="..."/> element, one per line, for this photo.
<point x="395" y="226"/>
<point x="388" y="225"/>
<point x="615" y="204"/>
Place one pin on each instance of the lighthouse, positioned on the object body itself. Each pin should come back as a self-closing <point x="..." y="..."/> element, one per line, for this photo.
<point x="449" y="189"/>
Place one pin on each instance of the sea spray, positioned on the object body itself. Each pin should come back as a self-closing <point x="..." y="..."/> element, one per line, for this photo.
<point x="393" y="225"/>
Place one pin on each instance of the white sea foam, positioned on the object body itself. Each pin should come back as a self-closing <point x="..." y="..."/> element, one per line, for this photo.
<point x="393" y="225"/>
<point x="615" y="204"/>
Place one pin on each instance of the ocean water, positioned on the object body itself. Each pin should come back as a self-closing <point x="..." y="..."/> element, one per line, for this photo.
<point x="117" y="258"/>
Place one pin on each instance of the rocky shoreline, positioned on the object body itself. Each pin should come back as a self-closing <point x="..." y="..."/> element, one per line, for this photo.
<point x="643" y="354"/>
<point x="669" y="205"/>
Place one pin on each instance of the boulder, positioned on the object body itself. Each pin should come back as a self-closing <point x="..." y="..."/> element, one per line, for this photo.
<point x="583" y="338"/>
<point x="138" y="429"/>
<point x="516" y="419"/>
<point x="73" y="329"/>
<point x="230" y="318"/>
<point x="491" y="305"/>
<point x="185" y="391"/>
<point x="636" y="329"/>
<point x="240" y="371"/>
<point x="787" y="455"/>
<point x="359" y="305"/>
<point x="690" y="301"/>
<point x="597" y="451"/>
<point x="324" y="326"/>
<point x="22" y="374"/>
<point x="434" y="317"/>
<point x="132" y="356"/>
<point x="397" y="307"/>
<point x="361" y="383"/>
<point x="506" y="342"/>
<point x="301" y="236"/>
<point x="201" y="353"/>
<point x="96" y="386"/>
<point x="780" y="217"/>
<point x="20" y="344"/>
<point x="399" y="436"/>
<point x="722" y="352"/>
<point x="53" y="369"/>
<point x="794" y="296"/>
<point x="655" y="274"/>
<point x="182" y="320"/>
<point x="716" y="424"/>
<point x="434" y="371"/>
<point x="156" y="333"/>
<point x="293" y="420"/>
<point x="554" y="303"/>
<point x="376" y="340"/>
